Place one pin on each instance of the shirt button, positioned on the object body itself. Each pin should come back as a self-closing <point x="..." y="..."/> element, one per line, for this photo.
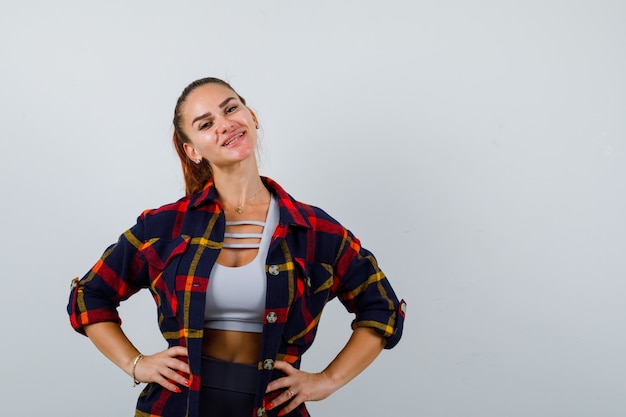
<point x="271" y="317"/>
<point x="274" y="270"/>
<point x="74" y="283"/>
<point x="260" y="412"/>
<point x="268" y="364"/>
<point x="403" y="307"/>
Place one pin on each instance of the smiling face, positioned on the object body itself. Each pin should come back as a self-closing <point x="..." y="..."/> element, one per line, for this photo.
<point x="220" y="128"/>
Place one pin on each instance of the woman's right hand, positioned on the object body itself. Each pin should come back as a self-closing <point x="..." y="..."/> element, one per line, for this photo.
<point x="162" y="367"/>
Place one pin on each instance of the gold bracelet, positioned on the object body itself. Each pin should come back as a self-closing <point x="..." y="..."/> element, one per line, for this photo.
<point x="135" y="362"/>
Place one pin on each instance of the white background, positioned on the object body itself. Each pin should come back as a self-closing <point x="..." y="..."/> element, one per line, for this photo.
<point x="477" y="148"/>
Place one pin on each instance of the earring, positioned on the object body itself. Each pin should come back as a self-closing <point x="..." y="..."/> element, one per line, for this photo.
<point x="257" y="126"/>
<point x="197" y="160"/>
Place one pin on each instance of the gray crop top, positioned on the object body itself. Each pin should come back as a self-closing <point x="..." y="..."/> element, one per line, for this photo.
<point x="235" y="297"/>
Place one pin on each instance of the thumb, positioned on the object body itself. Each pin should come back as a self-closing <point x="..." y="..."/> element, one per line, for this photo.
<point x="177" y="351"/>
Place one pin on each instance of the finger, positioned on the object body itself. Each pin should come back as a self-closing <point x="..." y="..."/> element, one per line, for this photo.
<point x="160" y="374"/>
<point x="292" y="402"/>
<point x="172" y="367"/>
<point x="168" y="385"/>
<point x="161" y="367"/>
<point x="284" y="367"/>
<point x="177" y="351"/>
<point x="279" y="383"/>
<point x="177" y="364"/>
<point x="175" y="377"/>
<point x="284" y="397"/>
<point x="283" y="382"/>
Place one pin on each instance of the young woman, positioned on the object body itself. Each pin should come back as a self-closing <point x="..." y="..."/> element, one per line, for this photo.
<point x="240" y="272"/>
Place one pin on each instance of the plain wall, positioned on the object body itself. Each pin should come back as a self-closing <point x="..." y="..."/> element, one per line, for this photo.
<point x="477" y="148"/>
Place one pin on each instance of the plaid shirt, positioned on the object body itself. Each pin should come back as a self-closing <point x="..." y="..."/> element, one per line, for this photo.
<point x="171" y="251"/>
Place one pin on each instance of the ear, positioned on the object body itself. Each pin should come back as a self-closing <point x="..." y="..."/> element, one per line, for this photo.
<point x="256" y="121"/>
<point x="191" y="152"/>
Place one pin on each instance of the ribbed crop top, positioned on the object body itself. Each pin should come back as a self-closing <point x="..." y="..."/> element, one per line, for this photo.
<point x="235" y="298"/>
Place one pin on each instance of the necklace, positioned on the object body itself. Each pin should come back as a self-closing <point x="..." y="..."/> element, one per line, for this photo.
<point x="239" y="208"/>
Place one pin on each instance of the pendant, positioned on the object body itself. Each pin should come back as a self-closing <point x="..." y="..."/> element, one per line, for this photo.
<point x="239" y="210"/>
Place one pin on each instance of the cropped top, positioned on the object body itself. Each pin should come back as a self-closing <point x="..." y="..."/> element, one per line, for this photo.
<point x="235" y="296"/>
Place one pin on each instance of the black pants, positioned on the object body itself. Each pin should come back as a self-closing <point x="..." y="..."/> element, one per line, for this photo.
<point x="227" y="389"/>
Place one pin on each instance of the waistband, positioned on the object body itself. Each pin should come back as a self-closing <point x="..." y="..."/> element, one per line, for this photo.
<point x="238" y="377"/>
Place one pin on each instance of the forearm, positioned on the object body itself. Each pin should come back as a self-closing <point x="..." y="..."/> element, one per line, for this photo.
<point x="164" y="368"/>
<point x="109" y="338"/>
<point x="362" y="348"/>
<point x="299" y="386"/>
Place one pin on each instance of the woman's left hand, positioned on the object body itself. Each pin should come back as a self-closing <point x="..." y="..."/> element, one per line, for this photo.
<point x="298" y="386"/>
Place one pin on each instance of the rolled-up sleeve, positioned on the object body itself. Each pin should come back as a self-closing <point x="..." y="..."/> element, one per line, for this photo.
<point x="365" y="291"/>
<point x="118" y="274"/>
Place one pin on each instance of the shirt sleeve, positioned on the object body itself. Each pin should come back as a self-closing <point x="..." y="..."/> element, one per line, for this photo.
<point x="365" y="291"/>
<point x="118" y="274"/>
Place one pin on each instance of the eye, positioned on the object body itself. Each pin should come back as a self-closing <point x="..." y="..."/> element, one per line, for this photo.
<point x="204" y="126"/>
<point x="231" y="109"/>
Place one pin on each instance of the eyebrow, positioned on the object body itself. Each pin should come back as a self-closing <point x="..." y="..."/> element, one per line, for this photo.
<point x="207" y="114"/>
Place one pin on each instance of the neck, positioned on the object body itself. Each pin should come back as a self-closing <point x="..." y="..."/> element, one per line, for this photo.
<point x="235" y="189"/>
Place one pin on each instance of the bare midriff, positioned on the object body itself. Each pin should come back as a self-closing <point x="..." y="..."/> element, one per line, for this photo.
<point x="232" y="346"/>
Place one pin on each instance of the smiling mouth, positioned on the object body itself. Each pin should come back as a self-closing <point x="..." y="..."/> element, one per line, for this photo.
<point x="233" y="139"/>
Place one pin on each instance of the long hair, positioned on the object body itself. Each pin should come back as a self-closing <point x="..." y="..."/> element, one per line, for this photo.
<point x="196" y="175"/>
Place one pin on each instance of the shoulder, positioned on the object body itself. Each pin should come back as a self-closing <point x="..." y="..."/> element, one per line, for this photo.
<point x="330" y="241"/>
<point x="298" y="213"/>
<point x="166" y="220"/>
<point x="318" y="216"/>
<point x="167" y="209"/>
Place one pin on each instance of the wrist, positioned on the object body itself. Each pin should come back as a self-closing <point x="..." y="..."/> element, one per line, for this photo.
<point x="332" y="380"/>
<point x="135" y="361"/>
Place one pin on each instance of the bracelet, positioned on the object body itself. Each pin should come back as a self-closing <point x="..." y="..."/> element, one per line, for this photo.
<point x="135" y="362"/>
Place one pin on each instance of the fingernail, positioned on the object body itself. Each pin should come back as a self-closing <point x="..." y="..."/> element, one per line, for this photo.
<point x="269" y="406"/>
<point x="187" y="383"/>
<point x="280" y="413"/>
<point x="178" y="390"/>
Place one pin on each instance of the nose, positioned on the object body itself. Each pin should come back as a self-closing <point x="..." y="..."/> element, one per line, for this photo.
<point x="224" y="125"/>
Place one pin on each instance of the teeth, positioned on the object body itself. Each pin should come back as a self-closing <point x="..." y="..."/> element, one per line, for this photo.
<point x="233" y="139"/>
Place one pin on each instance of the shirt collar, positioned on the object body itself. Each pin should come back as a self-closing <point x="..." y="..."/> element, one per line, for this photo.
<point x="290" y="209"/>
